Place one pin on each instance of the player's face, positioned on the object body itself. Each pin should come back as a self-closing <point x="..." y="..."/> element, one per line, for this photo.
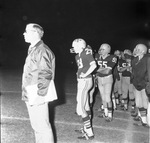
<point x="118" y="54"/>
<point x="77" y="49"/>
<point x="103" y="50"/>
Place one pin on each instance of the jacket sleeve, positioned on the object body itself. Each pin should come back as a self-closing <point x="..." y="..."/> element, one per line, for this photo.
<point x="148" y="83"/>
<point x="148" y="68"/>
<point x="45" y="73"/>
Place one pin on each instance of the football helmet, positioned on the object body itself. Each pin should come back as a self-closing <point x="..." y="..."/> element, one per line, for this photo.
<point x="78" y="45"/>
<point x="104" y="49"/>
<point x="139" y="50"/>
<point x="128" y="52"/>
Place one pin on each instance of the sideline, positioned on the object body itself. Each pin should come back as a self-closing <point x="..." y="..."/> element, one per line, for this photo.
<point x="129" y="130"/>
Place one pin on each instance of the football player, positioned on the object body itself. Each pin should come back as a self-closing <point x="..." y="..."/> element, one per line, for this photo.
<point x="106" y="63"/>
<point x="117" y="89"/>
<point x="127" y="87"/>
<point x="86" y="65"/>
<point x="140" y="80"/>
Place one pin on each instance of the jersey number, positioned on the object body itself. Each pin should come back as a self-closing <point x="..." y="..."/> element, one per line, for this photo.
<point x="80" y="64"/>
<point x="102" y="64"/>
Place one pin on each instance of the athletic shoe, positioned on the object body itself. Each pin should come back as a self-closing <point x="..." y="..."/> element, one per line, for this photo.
<point x="134" y="114"/>
<point x="108" y="119"/>
<point x="141" y="124"/>
<point x="86" y="137"/>
<point x="80" y="131"/>
<point x="137" y="118"/>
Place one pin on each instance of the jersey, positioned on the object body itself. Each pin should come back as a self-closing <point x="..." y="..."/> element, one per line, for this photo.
<point x="84" y="61"/>
<point x="120" y="63"/>
<point x="109" y="62"/>
<point x="140" y="72"/>
<point x="127" y="72"/>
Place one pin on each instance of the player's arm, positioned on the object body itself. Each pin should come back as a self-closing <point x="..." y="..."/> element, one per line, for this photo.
<point x="125" y="68"/>
<point x="90" y="70"/>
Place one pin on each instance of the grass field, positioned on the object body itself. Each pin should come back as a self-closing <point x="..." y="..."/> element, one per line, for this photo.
<point x="15" y="125"/>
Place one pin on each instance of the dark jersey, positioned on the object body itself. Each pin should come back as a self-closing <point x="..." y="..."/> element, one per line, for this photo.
<point x="109" y="62"/>
<point x="127" y="72"/>
<point x="141" y="72"/>
<point x="84" y="60"/>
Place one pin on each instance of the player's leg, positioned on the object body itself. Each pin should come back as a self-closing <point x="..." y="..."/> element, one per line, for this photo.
<point x="85" y="117"/>
<point x="148" y="114"/>
<point x="91" y="92"/>
<point x="114" y="101"/>
<point x="120" y="87"/>
<point x="80" y="86"/>
<point x="115" y="97"/>
<point x="132" y="97"/>
<point x="144" y="106"/>
<point x="138" y="103"/>
<point x="108" y="90"/>
<point x="102" y="94"/>
<point x="125" y="87"/>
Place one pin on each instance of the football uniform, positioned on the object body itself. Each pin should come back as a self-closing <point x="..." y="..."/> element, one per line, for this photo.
<point x="105" y="81"/>
<point x="127" y="87"/>
<point x="84" y="60"/>
<point x="117" y="89"/>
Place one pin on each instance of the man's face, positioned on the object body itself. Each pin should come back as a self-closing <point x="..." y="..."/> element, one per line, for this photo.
<point x="29" y="34"/>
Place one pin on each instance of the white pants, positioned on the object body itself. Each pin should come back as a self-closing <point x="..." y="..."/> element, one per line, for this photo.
<point x="148" y="114"/>
<point x="83" y="87"/>
<point x="39" y="118"/>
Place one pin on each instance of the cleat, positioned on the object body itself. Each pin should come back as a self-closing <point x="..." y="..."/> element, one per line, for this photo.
<point x="137" y="118"/>
<point x="134" y="114"/>
<point x="86" y="137"/>
<point x="108" y="119"/>
<point x="80" y="131"/>
<point x="141" y="124"/>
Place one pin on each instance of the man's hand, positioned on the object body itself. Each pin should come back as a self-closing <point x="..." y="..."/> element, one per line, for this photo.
<point x="82" y="75"/>
<point x="147" y="90"/>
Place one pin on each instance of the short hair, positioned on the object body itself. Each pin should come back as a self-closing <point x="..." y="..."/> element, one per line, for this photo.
<point x="37" y="28"/>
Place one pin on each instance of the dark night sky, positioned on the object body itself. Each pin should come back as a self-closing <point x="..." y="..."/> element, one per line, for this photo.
<point x="118" y="22"/>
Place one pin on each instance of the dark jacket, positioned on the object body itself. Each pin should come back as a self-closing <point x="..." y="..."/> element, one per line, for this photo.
<point x="39" y="69"/>
<point x="140" y="72"/>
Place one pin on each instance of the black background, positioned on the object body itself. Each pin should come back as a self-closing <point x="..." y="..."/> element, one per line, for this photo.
<point x="121" y="23"/>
